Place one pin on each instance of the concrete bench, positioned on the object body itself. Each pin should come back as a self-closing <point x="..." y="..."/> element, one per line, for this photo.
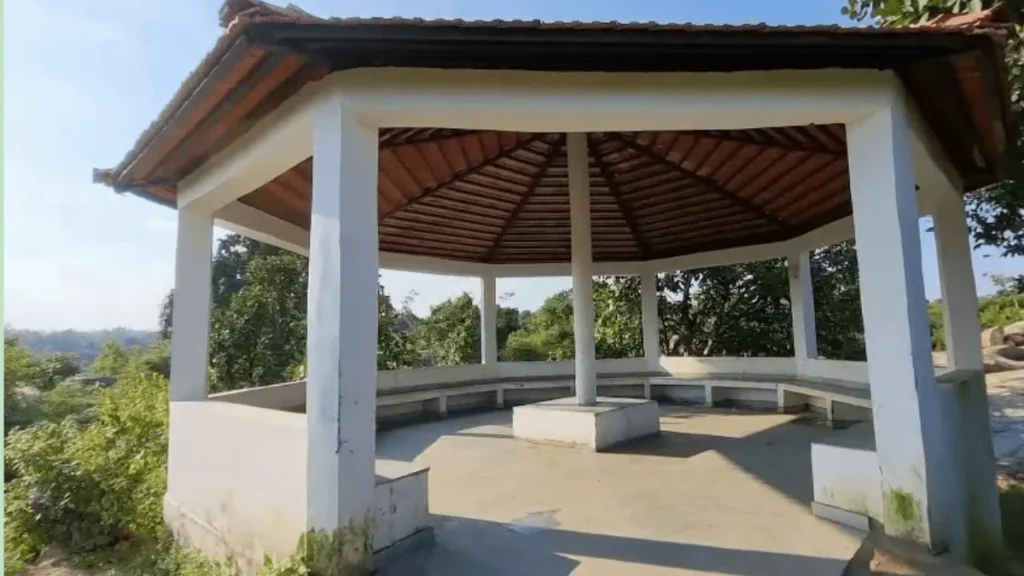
<point x="841" y="402"/>
<point x="441" y="393"/>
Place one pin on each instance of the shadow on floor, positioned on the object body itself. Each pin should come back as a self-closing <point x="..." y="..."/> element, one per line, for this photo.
<point x="470" y="546"/>
<point x="408" y="442"/>
<point x="788" y="471"/>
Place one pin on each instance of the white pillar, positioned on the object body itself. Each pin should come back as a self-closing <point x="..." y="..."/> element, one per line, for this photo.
<point x="956" y="277"/>
<point x="191" y="312"/>
<point x="976" y="516"/>
<point x="488" y="320"/>
<point x="649" y="317"/>
<point x="582" y="268"/>
<point x="896" y="327"/>
<point x="801" y="298"/>
<point x="342" y="322"/>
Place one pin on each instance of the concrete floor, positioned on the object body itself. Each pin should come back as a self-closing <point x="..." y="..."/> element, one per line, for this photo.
<point x="718" y="492"/>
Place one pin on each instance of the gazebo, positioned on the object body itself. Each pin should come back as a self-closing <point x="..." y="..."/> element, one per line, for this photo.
<point x="514" y="148"/>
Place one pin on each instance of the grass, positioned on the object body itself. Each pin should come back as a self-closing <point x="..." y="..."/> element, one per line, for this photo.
<point x="1011" y="504"/>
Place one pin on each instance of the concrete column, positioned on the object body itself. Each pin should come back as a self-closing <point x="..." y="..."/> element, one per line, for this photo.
<point x="896" y="328"/>
<point x="582" y="268"/>
<point x="956" y="277"/>
<point x="801" y="298"/>
<point x="191" y="313"/>
<point x="975" y="517"/>
<point x="488" y="320"/>
<point x="649" y="316"/>
<point x="342" y="322"/>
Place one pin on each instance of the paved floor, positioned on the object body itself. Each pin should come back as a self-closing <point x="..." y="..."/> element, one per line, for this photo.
<point x="719" y="492"/>
<point x="1006" y="411"/>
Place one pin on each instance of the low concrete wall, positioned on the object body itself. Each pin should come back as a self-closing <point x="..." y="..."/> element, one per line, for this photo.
<point x="845" y="471"/>
<point x="236" y="483"/>
<point x="847" y="371"/>
<point x="689" y="366"/>
<point x="408" y="395"/>
<point x="236" y="479"/>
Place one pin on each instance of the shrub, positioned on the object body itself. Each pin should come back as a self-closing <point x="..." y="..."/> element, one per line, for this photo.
<point x="84" y="487"/>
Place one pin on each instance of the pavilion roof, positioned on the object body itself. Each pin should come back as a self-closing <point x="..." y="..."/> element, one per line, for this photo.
<point x="501" y="196"/>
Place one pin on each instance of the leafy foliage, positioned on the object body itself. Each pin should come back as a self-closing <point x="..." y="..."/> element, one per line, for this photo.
<point x="259" y="332"/>
<point x="87" y="487"/>
<point x="744" y="310"/>
<point x="995" y="213"/>
<point x="450" y="335"/>
<point x="30" y="385"/>
<point x="546" y="334"/>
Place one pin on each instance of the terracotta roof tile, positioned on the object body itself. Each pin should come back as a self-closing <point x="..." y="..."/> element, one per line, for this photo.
<point x="237" y="15"/>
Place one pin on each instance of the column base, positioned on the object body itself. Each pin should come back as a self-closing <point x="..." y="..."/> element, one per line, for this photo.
<point x="598" y="427"/>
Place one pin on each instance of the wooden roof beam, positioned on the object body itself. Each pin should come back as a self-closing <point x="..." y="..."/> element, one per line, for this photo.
<point x="556" y="147"/>
<point x="466" y="173"/>
<point x="613" y="189"/>
<point x="707" y="182"/>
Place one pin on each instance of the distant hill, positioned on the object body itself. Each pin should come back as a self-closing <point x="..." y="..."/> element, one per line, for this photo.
<point x="84" y="344"/>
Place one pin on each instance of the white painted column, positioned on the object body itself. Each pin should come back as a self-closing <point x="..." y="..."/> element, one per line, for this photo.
<point x="582" y="268"/>
<point x="488" y="320"/>
<point x="896" y="327"/>
<point x="956" y="277"/>
<point x="801" y="298"/>
<point x="649" y="317"/>
<point x="342" y="320"/>
<point x="191" y="313"/>
<point x="965" y="408"/>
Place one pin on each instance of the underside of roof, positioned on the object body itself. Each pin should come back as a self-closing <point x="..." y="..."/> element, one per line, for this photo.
<point x="502" y="197"/>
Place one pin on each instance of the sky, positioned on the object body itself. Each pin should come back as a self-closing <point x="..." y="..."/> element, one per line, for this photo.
<point x="83" y="79"/>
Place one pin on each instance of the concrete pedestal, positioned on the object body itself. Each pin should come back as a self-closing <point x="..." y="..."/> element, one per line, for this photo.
<point x="597" y="427"/>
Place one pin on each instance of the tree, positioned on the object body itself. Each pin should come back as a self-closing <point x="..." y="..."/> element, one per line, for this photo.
<point x="112" y="360"/>
<point x="995" y="213"/>
<point x="258" y="333"/>
<point x="394" y="349"/>
<point x="450" y="335"/>
<point x="166" y="308"/>
<point x="617" y="318"/>
<point x="546" y="334"/>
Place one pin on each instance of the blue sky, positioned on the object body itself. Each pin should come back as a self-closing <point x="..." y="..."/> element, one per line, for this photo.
<point x="83" y="79"/>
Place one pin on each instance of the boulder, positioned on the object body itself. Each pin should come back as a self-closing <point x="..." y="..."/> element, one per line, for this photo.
<point x="1003" y="358"/>
<point x="1014" y="334"/>
<point x="991" y="337"/>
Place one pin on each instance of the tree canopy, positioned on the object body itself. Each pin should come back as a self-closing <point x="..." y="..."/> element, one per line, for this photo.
<point x="995" y="213"/>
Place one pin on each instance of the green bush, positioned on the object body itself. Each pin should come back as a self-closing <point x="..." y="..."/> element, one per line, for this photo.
<point x="85" y="487"/>
<point x="1001" y="310"/>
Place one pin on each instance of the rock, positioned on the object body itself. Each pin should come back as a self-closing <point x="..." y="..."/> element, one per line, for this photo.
<point x="1014" y="334"/>
<point x="1002" y="358"/>
<point x="991" y="337"/>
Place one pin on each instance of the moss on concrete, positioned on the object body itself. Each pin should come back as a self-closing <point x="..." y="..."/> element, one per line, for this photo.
<point x="902" y="514"/>
<point x="346" y="551"/>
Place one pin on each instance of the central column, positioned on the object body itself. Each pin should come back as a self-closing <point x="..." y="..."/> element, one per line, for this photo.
<point x="582" y="268"/>
<point x="801" y="299"/>
<point x="341" y="350"/>
<point x="649" y="318"/>
<point x="488" y="320"/>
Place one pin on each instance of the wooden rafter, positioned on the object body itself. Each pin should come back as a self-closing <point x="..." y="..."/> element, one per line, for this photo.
<point x="556" y="147"/>
<point x="706" y="182"/>
<point x="466" y="173"/>
<point x="613" y="190"/>
<point x="392" y="141"/>
<point x="741" y="138"/>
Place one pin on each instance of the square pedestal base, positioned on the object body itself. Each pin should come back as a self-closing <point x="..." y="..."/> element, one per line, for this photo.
<point x="598" y="427"/>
